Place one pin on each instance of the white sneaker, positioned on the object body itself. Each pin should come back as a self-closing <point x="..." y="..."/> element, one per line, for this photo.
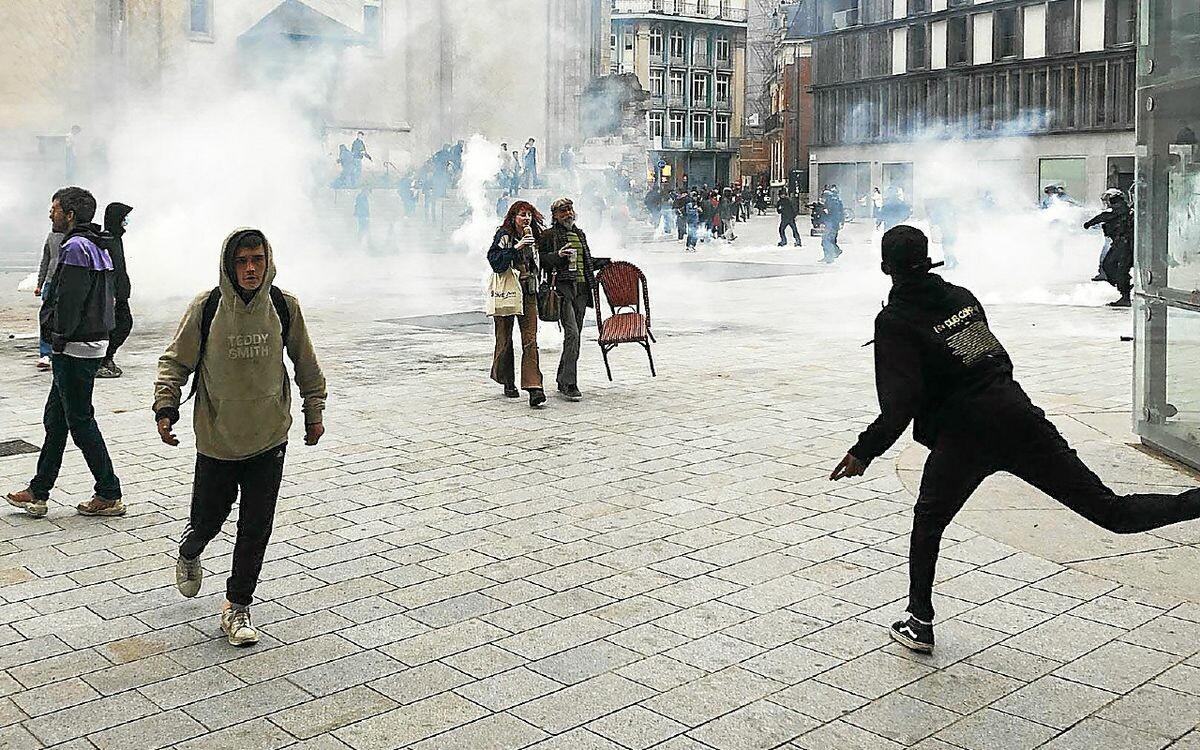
<point x="235" y="623"/>
<point x="43" y="362"/>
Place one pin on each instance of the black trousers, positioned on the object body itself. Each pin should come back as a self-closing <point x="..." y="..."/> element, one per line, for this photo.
<point x="120" y="333"/>
<point x="1116" y="267"/>
<point x="1024" y="443"/>
<point x="214" y="489"/>
<point x="784" y="225"/>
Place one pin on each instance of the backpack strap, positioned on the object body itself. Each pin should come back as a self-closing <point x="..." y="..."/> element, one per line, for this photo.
<point x="206" y="319"/>
<point x="210" y="312"/>
<point x="285" y="315"/>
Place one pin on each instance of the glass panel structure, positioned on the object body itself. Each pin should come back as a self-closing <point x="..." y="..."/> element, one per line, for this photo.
<point x="1167" y="257"/>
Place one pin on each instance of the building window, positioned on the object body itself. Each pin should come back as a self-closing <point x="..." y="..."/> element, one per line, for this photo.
<point x="721" y="129"/>
<point x="700" y="49"/>
<point x="700" y="130"/>
<point x="656" y="125"/>
<point x="677" y="84"/>
<point x="1120" y="18"/>
<point x="1006" y="36"/>
<point x="675" y="126"/>
<point x="656" y="82"/>
<point x="958" y="41"/>
<point x="722" y="89"/>
<point x="656" y="42"/>
<point x="677" y="44"/>
<point x="200" y="18"/>
<point x="702" y="7"/>
<point x="627" y="39"/>
<point x="918" y="6"/>
<point x="699" y="90"/>
<point x="722" y="48"/>
<point x="1060" y="27"/>
<point x="372" y="26"/>
<point x="918" y="47"/>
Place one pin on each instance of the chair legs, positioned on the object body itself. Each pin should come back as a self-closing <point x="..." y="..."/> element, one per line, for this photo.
<point x="604" y="353"/>
<point x="651" y="335"/>
<point x="650" y="356"/>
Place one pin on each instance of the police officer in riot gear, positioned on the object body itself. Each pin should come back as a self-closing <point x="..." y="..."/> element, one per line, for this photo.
<point x="1116" y="260"/>
<point x="938" y="364"/>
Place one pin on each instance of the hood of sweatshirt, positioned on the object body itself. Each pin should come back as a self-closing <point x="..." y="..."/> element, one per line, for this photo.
<point x="230" y="291"/>
<point x="114" y="218"/>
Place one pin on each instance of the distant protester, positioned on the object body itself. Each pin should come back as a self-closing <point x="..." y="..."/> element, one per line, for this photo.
<point x="787" y="209"/>
<point x="46" y="269"/>
<point x="231" y="341"/>
<point x="514" y="249"/>
<point x="115" y="220"/>
<point x="76" y="319"/>
<point x="1116" y="259"/>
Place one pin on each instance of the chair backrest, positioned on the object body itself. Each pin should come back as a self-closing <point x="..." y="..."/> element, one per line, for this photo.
<point x="620" y="281"/>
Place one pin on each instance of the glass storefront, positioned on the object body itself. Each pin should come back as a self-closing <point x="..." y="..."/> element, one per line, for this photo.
<point x="1167" y="257"/>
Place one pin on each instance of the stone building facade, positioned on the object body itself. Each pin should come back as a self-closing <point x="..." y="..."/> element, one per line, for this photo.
<point x="1037" y="91"/>
<point x="691" y="56"/>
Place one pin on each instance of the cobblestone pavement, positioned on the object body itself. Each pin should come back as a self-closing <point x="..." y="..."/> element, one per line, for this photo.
<point x="661" y="565"/>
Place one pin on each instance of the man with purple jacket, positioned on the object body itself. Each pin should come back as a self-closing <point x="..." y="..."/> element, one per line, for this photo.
<point x="76" y="320"/>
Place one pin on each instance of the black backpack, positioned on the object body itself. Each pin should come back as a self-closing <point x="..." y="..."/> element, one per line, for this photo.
<point x="210" y="312"/>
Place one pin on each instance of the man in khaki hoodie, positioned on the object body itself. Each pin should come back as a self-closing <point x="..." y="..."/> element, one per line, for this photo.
<point x="230" y="338"/>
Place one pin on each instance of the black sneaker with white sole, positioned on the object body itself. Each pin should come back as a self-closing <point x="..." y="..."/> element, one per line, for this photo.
<point x="913" y="634"/>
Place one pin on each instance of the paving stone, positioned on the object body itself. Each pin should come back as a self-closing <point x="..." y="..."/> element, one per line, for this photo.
<point x="579" y="663"/>
<point x="349" y="671"/>
<point x="581" y="703"/>
<point x="818" y="700"/>
<point x="256" y="734"/>
<point x="87" y="718"/>
<point x="1117" y="667"/>
<point x="580" y="739"/>
<point x="961" y="688"/>
<point x="152" y="732"/>
<point x="1094" y="733"/>
<point x="406" y="725"/>
<point x="636" y="728"/>
<point x="503" y="691"/>
<point x="1064" y="638"/>
<point x="54" y="697"/>
<point x="1168" y="634"/>
<point x="1156" y="710"/>
<point x="417" y="683"/>
<point x="758" y="725"/>
<point x="994" y="730"/>
<point x="242" y="704"/>
<point x="191" y="687"/>
<point x="900" y="718"/>
<point x="875" y="674"/>
<point x="841" y="734"/>
<point x="710" y="696"/>
<point x="1054" y="701"/>
<point x="495" y="732"/>
<point x="331" y="712"/>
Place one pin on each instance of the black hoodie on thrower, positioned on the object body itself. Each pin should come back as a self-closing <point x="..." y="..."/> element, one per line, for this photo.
<point x="112" y="240"/>
<point x="936" y="362"/>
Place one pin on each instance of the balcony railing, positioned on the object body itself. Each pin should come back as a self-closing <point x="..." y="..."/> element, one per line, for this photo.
<point x="719" y="10"/>
<point x="723" y="105"/>
<point x="774" y="121"/>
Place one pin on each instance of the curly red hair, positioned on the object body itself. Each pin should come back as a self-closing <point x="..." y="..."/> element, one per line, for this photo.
<point x="510" y="219"/>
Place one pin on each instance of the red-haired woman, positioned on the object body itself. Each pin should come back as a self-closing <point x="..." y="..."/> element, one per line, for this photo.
<point x="515" y="246"/>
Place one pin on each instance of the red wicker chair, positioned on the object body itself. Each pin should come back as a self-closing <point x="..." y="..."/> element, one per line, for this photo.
<point x="625" y="287"/>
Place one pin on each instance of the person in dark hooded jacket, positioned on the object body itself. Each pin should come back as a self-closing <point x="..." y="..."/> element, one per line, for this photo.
<point x="1116" y="261"/>
<point x="115" y="218"/>
<point x="938" y="364"/>
<point x="76" y="320"/>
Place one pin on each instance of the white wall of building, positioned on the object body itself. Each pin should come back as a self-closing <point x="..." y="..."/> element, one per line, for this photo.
<point x="1091" y="25"/>
<point x="899" y="51"/>
<point x="937" y="43"/>
<point x="1035" y="31"/>
<point x="982" y="41"/>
